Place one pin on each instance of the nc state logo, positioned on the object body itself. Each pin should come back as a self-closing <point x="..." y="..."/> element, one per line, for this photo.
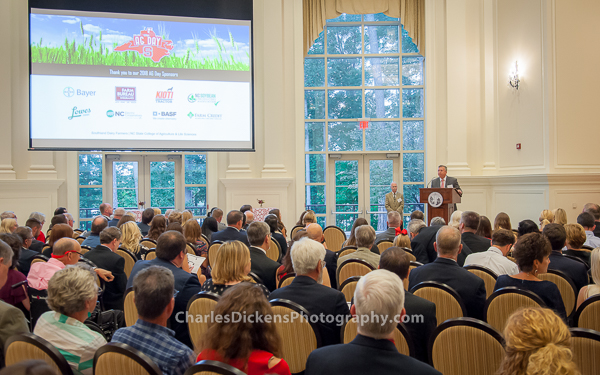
<point x="148" y="44"/>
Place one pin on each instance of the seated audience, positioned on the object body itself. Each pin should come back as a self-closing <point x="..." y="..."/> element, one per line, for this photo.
<point x="8" y="215"/>
<point x="154" y="288"/>
<point x="414" y="227"/>
<point x="577" y="271"/>
<point x="560" y="216"/>
<point x="402" y="239"/>
<point x="157" y="211"/>
<point x="546" y="217"/>
<point x="209" y="226"/>
<point x="495" y="257"/>
<point x="307" y="290"/>
<point x="272" y="222"/>
<point x="252" y="348"/>
<point x="300" y="222"/>
<point x="286" y="262"/>
<point x="315" y="233"/>
<point x="485" y="228"/>
<point x="60" y="210"/>
<point x="372" y="351"/>
<point x="233" y="232"/>
<point x="423" y="246"/>
<point x="104" y="256"/>
<point x="158" y="226"/>
<point x="280" y="227"/>
<point x="193" y="235"/>
<point x="525" y="227"/>
<point x="592" y="289"/>
<point x="106" y="210"/>
<point x="593" y="209"/>
<point x="397" y="261"/>
<point x="259" y="235"/>
<point x="502" y="221"/>
<point x="58" y="231"/>
<point x="469" y="222"/>
<point x="72" y="295"/>
<point x="217" y="213"/>
<point x="231" y="267"/>
<point x="118" y="214"/>
<point x="185" y="216"/>
<point x="351" y="241"/>
<point x="12" y="320"/>
<point x="26" y="236"/>
<point x="586" y="220"/>
<point x="532" y="253"/>
<point x="175" y="226"/>
<point x="537" y="343"/>
<point x="417" y="215"/>
<point x="147" y="217"/>
<point x="365" y="237"/>
<point x="171" y="254"/>
<point x="309" y="218"/>
<point x="445" y="269"/>
<point x="394" y="221"/>
<point x="175" y="216"/>
<point x="130" y="240"/>
<point x="58" y="219"/>
<point x="41" y="218"/>
<point x="8" y="226"/>
<point x="249" y="218"/>
<point x="455" y="219"/>
<point x="36" y="230"/>
<point x="575" y="239"/>
<point x="14" y="296"/>
<point x="124" y="219"/>
<point x="437" y="221"/>
<point x="70" y="220"/>
<point x="98" y="225"/>
<point x="30" y="367"/>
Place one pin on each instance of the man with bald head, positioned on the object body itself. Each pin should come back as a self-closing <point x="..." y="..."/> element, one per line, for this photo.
<point x="119" y="212"/>
<point x="106" y="210"/>
<point x="98" y="225"/>
<point x="315" y="233"/>
<point x="446" y="270"/>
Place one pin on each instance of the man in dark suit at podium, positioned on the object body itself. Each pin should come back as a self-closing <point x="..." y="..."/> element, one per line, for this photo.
<point x="444" y="181"/>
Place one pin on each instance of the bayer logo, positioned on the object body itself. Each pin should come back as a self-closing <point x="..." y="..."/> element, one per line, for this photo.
<point x="68" y="92"/>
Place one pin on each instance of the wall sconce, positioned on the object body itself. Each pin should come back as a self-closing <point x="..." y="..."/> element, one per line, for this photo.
<point x="513" y="77"/>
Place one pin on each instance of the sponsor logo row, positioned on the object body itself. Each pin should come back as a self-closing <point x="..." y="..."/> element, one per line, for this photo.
<point x="129" y="95"/>
<point x="76" y="112"/>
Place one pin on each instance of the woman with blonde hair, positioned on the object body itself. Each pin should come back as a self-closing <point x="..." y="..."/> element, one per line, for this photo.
<point x="175" y="217"/>
<point x="546" y="217"/>
<point x="8" y="226"/>
<point x="185" y="216"/>
<point x="402" y="239"/>
<point x="560" y="216"/>
<point x="157" y="211"/>
<point x="576" y="237"/>
<point x="309" y="218"/>
<point x="231" y="267"/>
<point x="592" y="289"/>
<point x="455" y="219"/>
<point x="130" y="239"/>
<point x="538" y="342"/>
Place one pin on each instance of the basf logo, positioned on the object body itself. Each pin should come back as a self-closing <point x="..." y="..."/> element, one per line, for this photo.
<point x="163" y="115"/>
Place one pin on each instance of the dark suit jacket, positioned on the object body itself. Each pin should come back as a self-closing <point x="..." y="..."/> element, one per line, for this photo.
<point x="476" y="243"/>
<point x="144" y="228"/>
<point x="420" y="332"/>
<point x="331" y="265"/>
<point x="230" y="234"/>
<point x="25" y="260"/>
<point x="449" y="181"/>
<point x="281" y="241"/>
<point x="422" y="246"/>
<point x="389" y="234"/>
<point x="468" y="286"/>
<point x="113" y="222"/>
<point x="364" y="355"/>
<point x="263" y="267"/>
<point x="103" y="257"/>
<point x="186" y="284"/>
<point x="36" y="246"/>
<point x="317" y="299"/>
<point x="574" y="269"/>
<point x="597" y="229"/>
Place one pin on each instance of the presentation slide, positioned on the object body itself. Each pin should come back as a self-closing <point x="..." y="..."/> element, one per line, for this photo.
<point x="110" y="81"/>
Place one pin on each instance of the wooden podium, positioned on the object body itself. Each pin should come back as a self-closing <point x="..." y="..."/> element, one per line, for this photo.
<point x="443" y="198"/>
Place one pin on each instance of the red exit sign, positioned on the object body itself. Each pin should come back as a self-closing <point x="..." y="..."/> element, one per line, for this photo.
<point x="364" y="124"/>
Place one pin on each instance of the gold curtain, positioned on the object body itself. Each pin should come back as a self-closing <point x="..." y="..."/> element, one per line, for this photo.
<point x="410" y="12"/>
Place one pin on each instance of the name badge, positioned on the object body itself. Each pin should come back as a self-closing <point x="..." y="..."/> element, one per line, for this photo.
<point x="399" y="200"/>
<point x="450" y="186"/>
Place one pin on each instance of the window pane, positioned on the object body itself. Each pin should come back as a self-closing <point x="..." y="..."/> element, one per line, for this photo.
<point x="314" y="72"/>
<point x="381" y="174"/>
<point x="346" y="18"/>
<point x="414" y="167"/>
<point x="413" y="135"/>
<point x="195" y="200"/>
<point x="412" y="70"/>
<point x="195" y="169"/>
<point x="345" y="136"/>
<point x="382" y="136"/>
<point x="344" y="72"/>
<point x="411" y="199"/>
<point x="343" y="40"/>
<point x="90" y="200"/>
<point x="315" y="168"/>
<point x="322" y="221"/>
<point x="90" y="169"/>
<point x="314" y="136"/>
<point x="315" y="198"/>
<point x="162" y="174"/>
<point x="412" y="102"/>
<point x="407" y="44"/>
<point x="314" y="104"/>
<point x="346" y="192"/>
<point x="381" y="71"/>
<point x="162" y="198"/>
<point x="382" y="103"/>
<point x="125" y="174"/>
<point x="381" y="39"/>
<point x="85" y="225"/>
<point x="345" y="104"/>
<point x="318" y="47"/>
<point x="126" y="198"/>
<point x="378" y="17"/>
<point x="346" y="173"/>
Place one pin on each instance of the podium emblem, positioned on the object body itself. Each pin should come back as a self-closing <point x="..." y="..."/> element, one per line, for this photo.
<point x="435" y="199"/>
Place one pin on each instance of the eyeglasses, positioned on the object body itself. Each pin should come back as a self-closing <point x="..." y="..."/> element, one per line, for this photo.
<point x="66" y="253"/>
<point x="175" y="293"/>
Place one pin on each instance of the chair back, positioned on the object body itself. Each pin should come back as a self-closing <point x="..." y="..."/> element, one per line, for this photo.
<point x="586" y="350"/>
<point x="80" y="239"/>
<point x="130" y="260"/>
<point x="28" y="346"/>
<point x="588" y="314"/>
<point x="487" y="275"/>
<point x="212" y="252"/>
<point x="151" y="254"/>
<point x="352" y="267"/>
<point x="150" y="244"/>
<point x="38" y="258"/>
<point x="299" y="337"/>
<point x="402" y="338"/>
<point x="204" y="239"/>
<point x="466" y="346"/>
<point x="77" y="233"/>
<point x="213" y="368"/>
<point x="413" y="264"/>
<point x="45" y="247"/>
<point x="286" y="280"/>
<point x="131" y="313"/>
<point x="410" y="253"/>
<point x="117" y="358"/>
<point x="190" y="249"/>
<point x="334" y="238"/>
<point x="48" y="234"/>
<point x="345" y="251"/>
<point x="505" y="301"/>
<point x="383" y="245"/>
<point x="348" y="287"/>
<point x="448" y="304"/>
<point x="202" y="304"/>
<point x="85" y="249"/>
<point x="566" y="286"/>
<point x="295" y="230"/>
<point x="274" y="250"/>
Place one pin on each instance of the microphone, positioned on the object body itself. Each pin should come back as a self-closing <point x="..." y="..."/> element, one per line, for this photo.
<point x="430" y="181"/>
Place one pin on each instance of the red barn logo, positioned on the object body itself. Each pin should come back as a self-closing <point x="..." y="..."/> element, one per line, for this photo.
<point x="148" y="44"/>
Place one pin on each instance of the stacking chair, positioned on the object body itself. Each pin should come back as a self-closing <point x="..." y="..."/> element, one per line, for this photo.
<point x="448" y="304"/>
<point x="117" y="358"/>
<point x="255" y="278"/>
<point x="348" y="287"/>
<point x="488" y="276"/>
<point x="85" y="249"/>
<point x="200" y="305"/>
<point x="213" y="368"/>
<point x="274" y="250"/>
<point x="80" y="239"/>
<point x="151" y="254"/>
<point x="286" y="280"/>
<point x="299" y="337"/>
<point x="334" y="238"/>
<point x="130" y="260"/>
<point x="204" y="239"/>
<point x="505" y="301"/>
<point x="190" y="249"/>
<point x="586" y="350"/>
<point x="413" y="264"/>
<point x="346" y="250"/>
<point x="402" y="338"/>
<point x="410" y="253"/>
<point x="466" y="346"/>
<point x="566" y="286"/>
<point x="212" y="252"/>
<point x="48" y="234"/>
<point x="352" y="267"/>
<point x="131" y="313"/>
<point x="295" y="230"/>
<point x="150" y="244"/>
<point x="383" y="245"/>
<point x="588" y="314"/>
<point x="77" y="233"/>
<point x="28" y="346"/>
